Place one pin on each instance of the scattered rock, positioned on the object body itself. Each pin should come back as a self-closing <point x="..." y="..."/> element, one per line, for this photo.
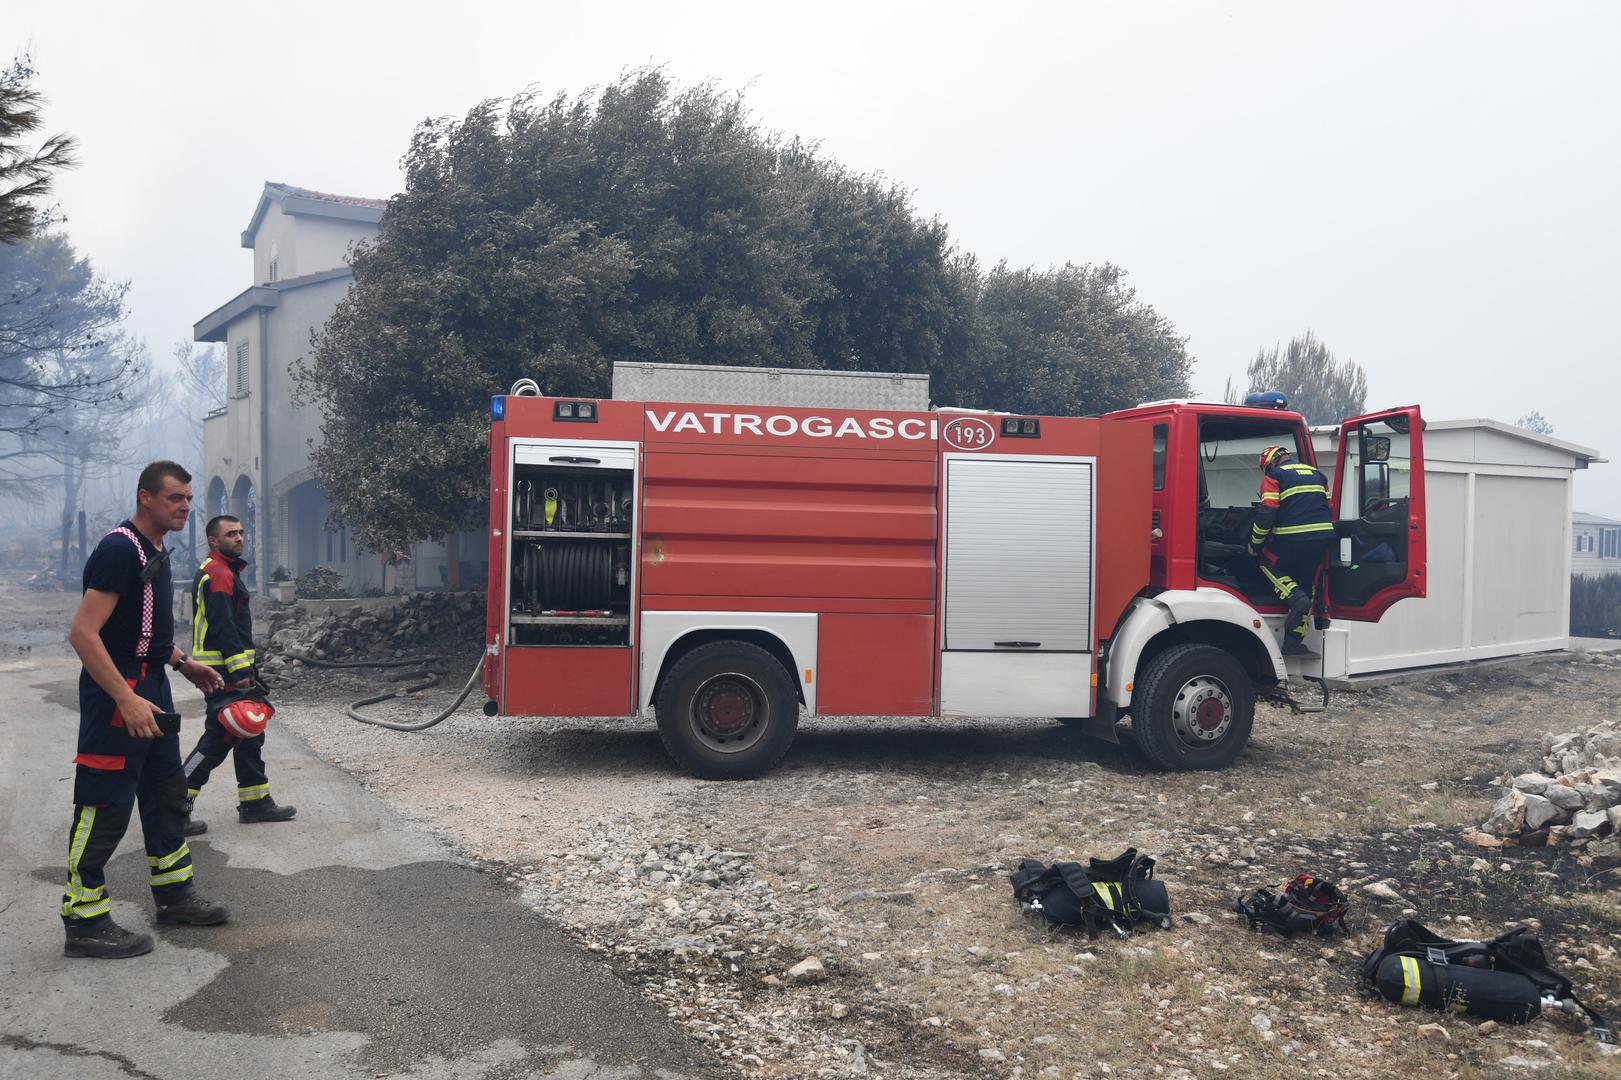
<point x="808" y="970"/>
<point x="1435" y="1032"/>
<point x="1487" y="1028"/>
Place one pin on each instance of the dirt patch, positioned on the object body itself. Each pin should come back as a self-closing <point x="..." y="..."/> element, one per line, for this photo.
<point x="882" y="848"/>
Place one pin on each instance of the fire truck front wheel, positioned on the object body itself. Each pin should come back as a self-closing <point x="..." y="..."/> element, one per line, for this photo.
<point x="727" y="710"/>
<point x="1193" y="708"/>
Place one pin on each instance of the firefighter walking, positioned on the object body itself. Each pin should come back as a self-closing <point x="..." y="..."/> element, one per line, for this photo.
<point x="1291" y="537"/>
<point x="123" y="633"/>
<point x="222" y="638"/>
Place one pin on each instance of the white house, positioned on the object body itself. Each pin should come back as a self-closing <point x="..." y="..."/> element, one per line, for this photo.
<point x="1498" y="510"/>
<point x="1597" y="545"/>
<point x="256" y="448"/>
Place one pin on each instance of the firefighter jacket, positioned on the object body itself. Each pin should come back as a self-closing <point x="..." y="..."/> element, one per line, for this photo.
<point x="1294" y="505"/>
<point x="221" y="625"/>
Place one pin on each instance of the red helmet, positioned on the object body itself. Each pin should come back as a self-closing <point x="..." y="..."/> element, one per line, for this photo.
<point x="1271" y="454"/>
<point x="246" y="718"/>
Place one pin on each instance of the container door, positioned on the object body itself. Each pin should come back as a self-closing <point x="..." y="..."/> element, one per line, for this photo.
<point x="1379" y="515"/>
<point x="1017" y="637"/>
<point x="572" y="520"/>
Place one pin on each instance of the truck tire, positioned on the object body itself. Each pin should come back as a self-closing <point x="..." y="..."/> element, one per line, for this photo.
<point x="727" y="710"/>
<point x="1193" y="708"/>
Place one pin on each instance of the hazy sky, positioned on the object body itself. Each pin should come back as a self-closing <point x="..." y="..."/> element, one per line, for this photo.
<point x="1433" y="188"/>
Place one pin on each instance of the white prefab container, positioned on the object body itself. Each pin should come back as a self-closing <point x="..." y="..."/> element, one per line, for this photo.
<point x="1498" y="508"/>
<point x="790" y="387"/>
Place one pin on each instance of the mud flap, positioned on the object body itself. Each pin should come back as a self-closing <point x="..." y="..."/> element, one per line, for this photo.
<point x="1102" y="725"/>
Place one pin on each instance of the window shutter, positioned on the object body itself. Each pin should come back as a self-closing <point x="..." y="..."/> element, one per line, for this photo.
<point x="241" y="382"/>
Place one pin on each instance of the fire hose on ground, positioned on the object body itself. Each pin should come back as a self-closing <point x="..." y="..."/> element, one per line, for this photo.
<point x="427" y="679"/>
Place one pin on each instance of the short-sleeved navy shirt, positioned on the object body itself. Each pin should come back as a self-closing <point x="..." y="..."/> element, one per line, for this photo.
<point x="115" y="568"/>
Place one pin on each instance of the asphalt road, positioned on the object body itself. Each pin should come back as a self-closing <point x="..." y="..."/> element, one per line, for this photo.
<point x="358" y="946"/>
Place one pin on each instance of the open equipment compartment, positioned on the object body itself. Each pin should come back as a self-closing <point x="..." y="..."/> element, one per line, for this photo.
<point x="572" y="520"/>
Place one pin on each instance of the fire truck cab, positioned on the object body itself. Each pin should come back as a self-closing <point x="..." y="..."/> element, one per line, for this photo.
<point x="728" y="568"/>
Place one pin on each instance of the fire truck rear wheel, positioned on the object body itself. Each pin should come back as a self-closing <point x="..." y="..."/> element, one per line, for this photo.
<point x="1193" y="708"/>
<point x="727" y="711"/>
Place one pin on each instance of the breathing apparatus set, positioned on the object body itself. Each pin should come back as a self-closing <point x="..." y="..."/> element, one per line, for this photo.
<point x="1115" y="894"/>
<point x="1507" y="978"/>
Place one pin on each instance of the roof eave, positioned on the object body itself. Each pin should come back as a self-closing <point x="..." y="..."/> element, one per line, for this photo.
<point x="214" y="325"/>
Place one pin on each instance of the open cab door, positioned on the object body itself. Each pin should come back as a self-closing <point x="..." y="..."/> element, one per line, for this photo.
<point x="1379" y="515"/>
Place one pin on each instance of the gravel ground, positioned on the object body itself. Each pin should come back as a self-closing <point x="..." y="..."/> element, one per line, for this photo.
<point x="849" y="915"/>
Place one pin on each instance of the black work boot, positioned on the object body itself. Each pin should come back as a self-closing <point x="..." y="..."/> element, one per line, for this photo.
<point x="188" y="826"/>
<point x="1295" y="645"/>
<point x="1299" y="611"/>
<point x="190" y="909"/>
<point x="264" y="809"/>
<point x="104" y="939"/>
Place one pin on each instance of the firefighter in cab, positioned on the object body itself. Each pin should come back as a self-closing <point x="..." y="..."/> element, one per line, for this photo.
<point x="1291" y="537"/>
<point x="222" y="638"/>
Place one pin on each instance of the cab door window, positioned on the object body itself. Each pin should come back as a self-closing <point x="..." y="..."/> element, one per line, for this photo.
<point x="1229" y="493"/>
<point x="1372" y="512"/>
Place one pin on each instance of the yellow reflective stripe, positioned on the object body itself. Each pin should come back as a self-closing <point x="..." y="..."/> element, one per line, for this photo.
<point x="239" y="661"/>
<point x="1409" y="980"/>
<point x="81" y="837"/>
<point x="1269" y="496"/>
<point x="248" y="794"/>
<point x="1282" y="582"/>
<point x="192" y="792"/>
<point x="173" y="877"/>
<point x="1293" y="530"/>
<point x="163" y="862"/>
<point x="199" y="620"/>
<point x="1305" y="489"/>
<point x="1110" y="893"/>
<point x="90" y="911"/>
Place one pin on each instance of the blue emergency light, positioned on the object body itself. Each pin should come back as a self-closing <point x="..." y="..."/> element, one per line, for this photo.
<point x="1266" y="399"/>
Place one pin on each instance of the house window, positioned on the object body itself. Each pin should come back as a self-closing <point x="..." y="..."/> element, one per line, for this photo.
<point x="273" y="269"/>
<point x="239" y="383"/>
<point x="1611" y="538"/>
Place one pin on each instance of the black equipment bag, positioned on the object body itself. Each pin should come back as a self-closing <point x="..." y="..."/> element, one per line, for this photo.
<point x="1117" y="893"/>
<point x="1308" y="905"/>
<point x="1507" y="978"/>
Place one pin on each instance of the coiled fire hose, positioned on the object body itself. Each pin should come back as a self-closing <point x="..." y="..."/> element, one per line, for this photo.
<point x="427" y="679"/>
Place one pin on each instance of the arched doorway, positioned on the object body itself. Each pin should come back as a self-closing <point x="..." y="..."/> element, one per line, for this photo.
<point x="214" y="500"/>
<point x="245" y="506"/>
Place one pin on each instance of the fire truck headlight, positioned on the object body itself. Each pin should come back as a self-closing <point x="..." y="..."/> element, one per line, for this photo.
<point x="565" y="410"/>
<point x="585" y="410"/>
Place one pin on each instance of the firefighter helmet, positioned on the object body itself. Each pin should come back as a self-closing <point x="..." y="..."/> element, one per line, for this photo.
<point x="1271" y="454"/>
<point x="246" y="718"/>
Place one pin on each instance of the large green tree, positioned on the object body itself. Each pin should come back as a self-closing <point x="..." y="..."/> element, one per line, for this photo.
<point x="1319" y="387"/>
<point x="551" y="238"/>
<point x="26" y="171"/>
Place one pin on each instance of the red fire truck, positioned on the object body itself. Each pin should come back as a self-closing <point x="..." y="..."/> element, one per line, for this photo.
<point x="726" y="568"/>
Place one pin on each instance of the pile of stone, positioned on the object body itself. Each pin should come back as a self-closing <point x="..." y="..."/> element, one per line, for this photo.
<point x="1575" y="800"/>
<point x="378" y="629"/>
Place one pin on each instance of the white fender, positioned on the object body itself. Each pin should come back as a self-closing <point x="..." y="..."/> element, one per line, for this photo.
<point x="1150" y="616"/>
<point x="796" y="630"/>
